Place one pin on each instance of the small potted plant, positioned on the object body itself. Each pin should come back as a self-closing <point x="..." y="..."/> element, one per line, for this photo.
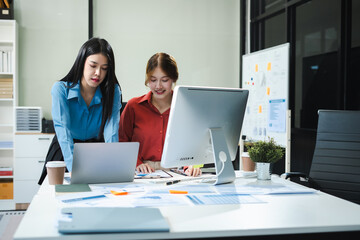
<point x="263" y="153"/>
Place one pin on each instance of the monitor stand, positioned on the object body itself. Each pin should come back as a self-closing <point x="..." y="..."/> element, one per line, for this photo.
<point x="223" y="165"/>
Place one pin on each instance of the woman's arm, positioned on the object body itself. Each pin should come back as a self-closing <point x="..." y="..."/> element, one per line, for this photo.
<point x="126" y="126"/>
<point x="61" y="117"/>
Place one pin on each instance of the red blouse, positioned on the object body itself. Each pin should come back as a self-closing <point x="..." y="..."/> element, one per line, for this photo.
<point x="142" y="122"/>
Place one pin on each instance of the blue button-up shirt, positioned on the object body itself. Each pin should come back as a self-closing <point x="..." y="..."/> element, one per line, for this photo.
<point x="73" y="119"/>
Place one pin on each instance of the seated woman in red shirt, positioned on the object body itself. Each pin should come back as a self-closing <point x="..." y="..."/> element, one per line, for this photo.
<point x="145" y="118"/>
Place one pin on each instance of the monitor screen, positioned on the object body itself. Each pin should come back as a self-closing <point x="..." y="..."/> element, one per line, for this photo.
<point x="204" y="127"/>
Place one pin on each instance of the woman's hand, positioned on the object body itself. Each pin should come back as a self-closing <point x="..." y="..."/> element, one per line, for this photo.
<point x="194" y="172"/>
<point x="145" y="168"/>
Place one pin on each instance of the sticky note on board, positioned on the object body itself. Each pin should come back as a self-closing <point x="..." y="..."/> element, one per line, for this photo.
<point x="260" y="109"/>
<point x="268" y="91"/>
<point x="269" y="66"/>
<point x="256" y="68"/>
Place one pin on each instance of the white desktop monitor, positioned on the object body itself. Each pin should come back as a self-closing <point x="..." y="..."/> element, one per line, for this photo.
<point x="204" y="127"/>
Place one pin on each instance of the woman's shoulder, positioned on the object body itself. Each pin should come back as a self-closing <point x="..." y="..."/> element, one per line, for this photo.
<point x="117" y="88"/>
<point x="59" y="86"/>
<point x="136" y="100"/>
<point x="117" y="92"/>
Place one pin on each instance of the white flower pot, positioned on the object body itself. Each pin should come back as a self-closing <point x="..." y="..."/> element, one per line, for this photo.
<point x="263" y="171"/>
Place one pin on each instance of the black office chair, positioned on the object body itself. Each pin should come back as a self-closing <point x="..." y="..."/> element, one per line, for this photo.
<point x="122" y="107"/>
<point x="335" y="168"/>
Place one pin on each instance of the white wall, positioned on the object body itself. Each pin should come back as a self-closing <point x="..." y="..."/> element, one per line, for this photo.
<point x="202" y="35"/>
<point x="51" y="33"/>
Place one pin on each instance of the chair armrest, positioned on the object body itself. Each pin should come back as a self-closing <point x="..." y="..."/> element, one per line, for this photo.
<point x="291" y="175"/>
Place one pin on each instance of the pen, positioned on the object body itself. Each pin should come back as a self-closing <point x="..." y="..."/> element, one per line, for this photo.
<point x="82" y="198"/>
<point x="172" y="182"/>
<point x="167" y="173"/>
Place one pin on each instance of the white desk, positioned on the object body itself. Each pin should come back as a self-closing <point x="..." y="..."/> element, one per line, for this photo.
<point x="281" y="214"/>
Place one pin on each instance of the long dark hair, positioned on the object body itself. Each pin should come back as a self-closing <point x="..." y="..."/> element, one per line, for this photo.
<point x="95" y="46"/>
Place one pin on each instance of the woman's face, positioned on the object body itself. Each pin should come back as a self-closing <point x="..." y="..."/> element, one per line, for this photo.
<point x="160" y="84"/>
<point x="95" y="70"/>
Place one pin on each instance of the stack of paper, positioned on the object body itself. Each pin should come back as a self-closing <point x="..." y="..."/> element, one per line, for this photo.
<point x="28" y="119"/>
<point x="6" y="88"/>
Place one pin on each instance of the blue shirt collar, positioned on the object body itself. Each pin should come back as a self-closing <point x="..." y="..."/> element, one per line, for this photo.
<point x="97" y="97"/>
<point x="75" y="93"/>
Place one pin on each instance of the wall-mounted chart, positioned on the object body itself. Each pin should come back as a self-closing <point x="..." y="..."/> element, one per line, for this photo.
<point x="266" y="76"/>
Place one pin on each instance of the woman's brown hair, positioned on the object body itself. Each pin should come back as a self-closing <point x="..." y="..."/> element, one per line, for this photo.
<point x="167" y="64"/>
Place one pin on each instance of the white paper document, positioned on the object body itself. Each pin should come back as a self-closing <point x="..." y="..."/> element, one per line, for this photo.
<point x="156" y="195"/>
<point x="215" y="199"/>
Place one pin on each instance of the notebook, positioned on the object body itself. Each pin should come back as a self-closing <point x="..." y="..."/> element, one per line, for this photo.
<point x="104" y="162"/>
<point x="108" y="219"/>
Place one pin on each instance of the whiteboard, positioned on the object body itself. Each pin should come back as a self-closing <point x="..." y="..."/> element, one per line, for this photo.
<point x="265" y="74"/>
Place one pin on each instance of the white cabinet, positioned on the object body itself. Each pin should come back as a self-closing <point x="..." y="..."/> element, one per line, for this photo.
<point x="8" y="102"/>
<point x="30" y="153"/>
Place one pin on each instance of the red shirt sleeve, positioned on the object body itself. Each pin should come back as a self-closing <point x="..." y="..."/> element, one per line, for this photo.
<point x="126" y="126"/>
<point x="142" y="122"/>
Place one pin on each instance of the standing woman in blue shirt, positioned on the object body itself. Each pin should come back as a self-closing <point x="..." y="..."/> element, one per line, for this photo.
<point x="85" y="103"/>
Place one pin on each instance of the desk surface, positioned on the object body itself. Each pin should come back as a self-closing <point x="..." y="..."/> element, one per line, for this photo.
<point x="281" y="214"/>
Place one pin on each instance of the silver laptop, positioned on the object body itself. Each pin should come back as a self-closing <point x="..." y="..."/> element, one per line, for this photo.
<point x="104" y="162"/>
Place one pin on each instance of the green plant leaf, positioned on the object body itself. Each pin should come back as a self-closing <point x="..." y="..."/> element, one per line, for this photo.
<point x="266" y="151"/>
